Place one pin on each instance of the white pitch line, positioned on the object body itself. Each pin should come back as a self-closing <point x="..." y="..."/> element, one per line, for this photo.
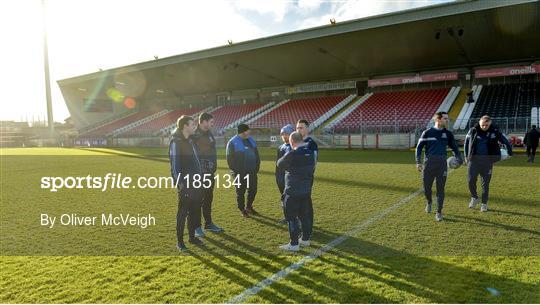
<point x="315" y="254"/>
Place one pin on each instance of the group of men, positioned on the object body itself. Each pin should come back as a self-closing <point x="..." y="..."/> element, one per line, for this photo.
<point x="482" y="149"/>
<point x="192" y="152"/>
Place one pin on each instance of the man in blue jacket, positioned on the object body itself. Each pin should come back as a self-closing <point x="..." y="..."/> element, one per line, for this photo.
<point x="482" y="149"/>
<point x="184" y="160"/>
<point x="244" y="163"/>
<point x="299" y="165"/>
<point x="436" y="140"/>
<point x="281" y="151"/>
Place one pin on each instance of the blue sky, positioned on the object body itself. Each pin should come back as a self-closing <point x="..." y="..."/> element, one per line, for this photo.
<point x="86" y="35"/>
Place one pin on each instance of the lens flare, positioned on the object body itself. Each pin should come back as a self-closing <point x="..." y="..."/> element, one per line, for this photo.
<point x="130" y="82"/>
<point x="130" y="103"/>
<point x="115" y="95"/>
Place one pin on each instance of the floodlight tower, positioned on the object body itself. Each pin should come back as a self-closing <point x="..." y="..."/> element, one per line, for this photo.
<point x="50" y="120"/>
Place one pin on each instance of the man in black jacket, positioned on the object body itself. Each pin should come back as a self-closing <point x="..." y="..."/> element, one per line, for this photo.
<point x="531" y="141"/>
<point x="482" y="149"/>
<point x="299" y="165"/>
<point x="206" y="145"/>
<point x="184" y="159"/>
<point x="244" y="162"/>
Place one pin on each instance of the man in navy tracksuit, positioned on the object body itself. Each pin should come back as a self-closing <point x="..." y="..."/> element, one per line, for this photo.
<point x="206" y="144"/>
<point x="244" y="162"/>
<point x="302" y="127"/>
<point x="436" y="140"/>
<point x="482" y="149"/>
<point x="184" y="160"/>
<point x="299" y="166"/>
<point x="281" y="151"/>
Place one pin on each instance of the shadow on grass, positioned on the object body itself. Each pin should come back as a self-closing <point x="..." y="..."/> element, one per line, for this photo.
<point x="270" y="264"/>
<point x="514" y="213"/>
<point x="487" y="223"/>
<point x="329" y="277"/>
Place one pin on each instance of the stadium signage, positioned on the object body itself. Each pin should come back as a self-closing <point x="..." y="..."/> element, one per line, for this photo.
<point x="322" y="87"/>
<point x="438" y="77"/>
<point x="507" y="71"/>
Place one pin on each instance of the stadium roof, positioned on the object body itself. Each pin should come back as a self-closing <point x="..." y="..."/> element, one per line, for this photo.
<point x="493" y="32"/>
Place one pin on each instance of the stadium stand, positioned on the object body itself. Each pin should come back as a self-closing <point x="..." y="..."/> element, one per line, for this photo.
<point x="289" y="111"/>
<point x="535" y="116"/>
<point x="529" y="96"/>
<point x="107" y="120"/>
<point x="246" y="117"/>
<point x="453" y="112"/>
<point x="13" y="134"/>
<point x="507" y="100"/>
<point x="467" y="110"/>
<point x="228" y="114"/>
<point x="318" y="122"/>
<point x="110" y="127"/>
<point x="405" y="107"/>
<point x="449" y="100"/>
<point x="154" y="126"/>
<point x="347" y="111"/>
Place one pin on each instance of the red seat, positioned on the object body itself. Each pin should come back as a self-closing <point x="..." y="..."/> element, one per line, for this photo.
<point x="307" y="108"/>
<point x="404" y="106"/>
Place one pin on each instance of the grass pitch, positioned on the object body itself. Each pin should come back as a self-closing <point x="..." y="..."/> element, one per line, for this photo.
<point x="404" y="257"/>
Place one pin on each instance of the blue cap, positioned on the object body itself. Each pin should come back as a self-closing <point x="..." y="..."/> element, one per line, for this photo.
<point x="287" y="129"/>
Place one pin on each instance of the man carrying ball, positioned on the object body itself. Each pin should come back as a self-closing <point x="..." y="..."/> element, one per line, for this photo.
<point x="436" y="139"/>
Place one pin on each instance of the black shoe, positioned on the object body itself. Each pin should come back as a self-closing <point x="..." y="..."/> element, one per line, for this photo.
<point x="195" y="241"/>
<point x="282" y="221"/>
<point x="245" y="214"/>
<point x="181" y="247"/>
<point x="252" y="211"/>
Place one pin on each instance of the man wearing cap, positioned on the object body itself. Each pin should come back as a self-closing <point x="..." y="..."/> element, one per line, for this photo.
<point x="281" y="151"/>
<point x="244" y="163"/>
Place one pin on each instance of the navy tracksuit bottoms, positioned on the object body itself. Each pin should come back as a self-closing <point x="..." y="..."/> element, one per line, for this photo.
<point x="484" y="168"/>
<point x="298" y="212"/>
<point x="435" y="169"/>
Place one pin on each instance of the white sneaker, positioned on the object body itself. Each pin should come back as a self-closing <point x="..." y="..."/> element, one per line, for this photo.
<point x="428" y="208"/>
<point x="289" y="247"/>
<point x="473" y="203"/>
<point x="303" y="243"/>
<point x="483" y="207"/>
<point x="438" y="217"/>
<point x="199" y="232"/>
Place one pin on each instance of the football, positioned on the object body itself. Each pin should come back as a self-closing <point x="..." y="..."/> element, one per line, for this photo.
<point x="453" y="162"/>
